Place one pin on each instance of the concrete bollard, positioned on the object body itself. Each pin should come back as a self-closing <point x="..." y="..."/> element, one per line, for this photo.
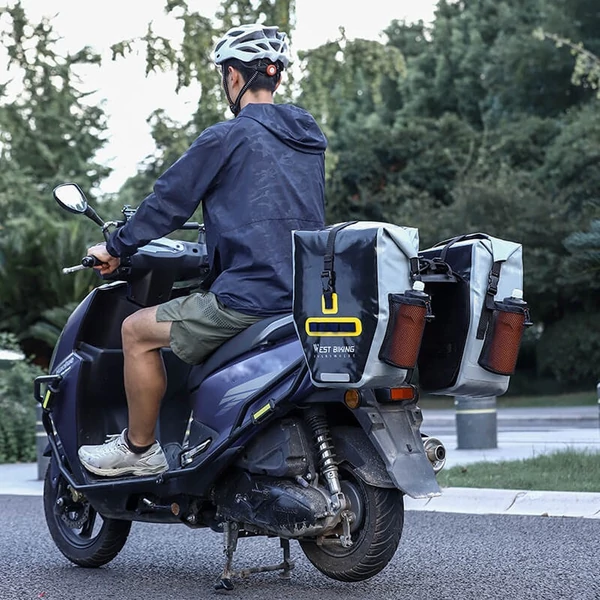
<point x="41" y="441"/>
<point x="476" y="422"/>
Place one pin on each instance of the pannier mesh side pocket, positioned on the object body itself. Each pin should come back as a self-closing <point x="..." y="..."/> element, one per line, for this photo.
<point x="503" y="340"/>
<point x="402" y="341"/>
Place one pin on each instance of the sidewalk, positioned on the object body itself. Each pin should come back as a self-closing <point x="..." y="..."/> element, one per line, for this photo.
<point x="522" y="433"/>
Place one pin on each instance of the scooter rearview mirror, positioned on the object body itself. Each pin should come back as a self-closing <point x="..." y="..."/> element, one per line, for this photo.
<point x="71" y="197"/>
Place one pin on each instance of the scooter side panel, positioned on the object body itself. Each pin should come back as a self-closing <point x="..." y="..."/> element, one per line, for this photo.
<point x="220" y="397"/>
<point x="68" y="361"/>
<point x="70" y="333"/>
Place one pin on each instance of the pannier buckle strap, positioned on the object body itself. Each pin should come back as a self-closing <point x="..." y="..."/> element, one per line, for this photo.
<point x="328" y="273"/>
<point x="415" y="268"/>
<point x="490" y="295"/>
<point x="328" y="281"/>
<point x="493" y="280"/>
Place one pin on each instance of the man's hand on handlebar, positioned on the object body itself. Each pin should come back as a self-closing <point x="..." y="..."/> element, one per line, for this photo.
<point x="108" y="263"/>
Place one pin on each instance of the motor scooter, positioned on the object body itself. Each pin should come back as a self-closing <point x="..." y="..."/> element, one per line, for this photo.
<point x="253" y="448"/>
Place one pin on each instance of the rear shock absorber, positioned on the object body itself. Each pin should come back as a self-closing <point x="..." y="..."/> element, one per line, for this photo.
<point x="317" y="421"/>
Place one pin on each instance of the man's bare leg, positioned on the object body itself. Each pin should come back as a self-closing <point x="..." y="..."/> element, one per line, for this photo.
<point x="145" y="377"/>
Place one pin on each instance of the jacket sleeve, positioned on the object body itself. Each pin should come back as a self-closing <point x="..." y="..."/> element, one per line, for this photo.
<point x="177" y="193"/>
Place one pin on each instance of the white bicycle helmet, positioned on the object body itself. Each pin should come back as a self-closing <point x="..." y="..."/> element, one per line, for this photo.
<point x="253" y="42"/>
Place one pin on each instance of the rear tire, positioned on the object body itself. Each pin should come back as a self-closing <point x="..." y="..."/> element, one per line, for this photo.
<point x="375" y="538"/>
<point x="79" y="532"/>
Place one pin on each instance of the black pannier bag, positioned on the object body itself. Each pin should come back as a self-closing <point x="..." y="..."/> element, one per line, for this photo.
<point x="471" y="347"/>
<point x="358" y="319"/>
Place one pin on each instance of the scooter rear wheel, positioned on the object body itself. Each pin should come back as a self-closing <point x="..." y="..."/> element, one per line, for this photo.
<point x="79" y="532"/>
<point x="375" y="535"/>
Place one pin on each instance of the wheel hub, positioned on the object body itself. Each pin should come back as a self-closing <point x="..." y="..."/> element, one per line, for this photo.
<point x="352" y="493"/>
<point x="74" y="515"/>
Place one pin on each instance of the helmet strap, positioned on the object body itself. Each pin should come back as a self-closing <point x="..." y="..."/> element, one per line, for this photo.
<point x="271" y="69"/>
<point x="234" y="106"/>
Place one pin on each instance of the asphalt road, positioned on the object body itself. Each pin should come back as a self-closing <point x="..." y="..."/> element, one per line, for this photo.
<point x="441" y="556"/>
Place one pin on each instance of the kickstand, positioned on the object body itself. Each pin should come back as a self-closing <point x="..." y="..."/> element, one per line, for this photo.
<point x="230" y="538"/>
<point x="287" y="565"/>
<point x="231" y="534"/>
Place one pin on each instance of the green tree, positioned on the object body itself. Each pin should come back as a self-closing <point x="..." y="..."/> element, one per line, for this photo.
<point x="569" y="350"/>
<point x="347" y="81"/>
<point x="48" y="134"/>
<point x="584" y="247"/>
<point x="587" y="65"/>
<point x="401" y="174"/>
<point x="481" y="61"/>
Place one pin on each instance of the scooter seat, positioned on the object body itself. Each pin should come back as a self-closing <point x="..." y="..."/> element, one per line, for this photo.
<point x="263" y="333"/>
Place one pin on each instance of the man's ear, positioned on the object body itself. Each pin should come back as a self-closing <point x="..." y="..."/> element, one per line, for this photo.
<point x="235" y="75"/>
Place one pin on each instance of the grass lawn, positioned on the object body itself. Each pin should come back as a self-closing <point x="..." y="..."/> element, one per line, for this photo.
<point x="566" y="471"/>
<point x="573" y="399"/>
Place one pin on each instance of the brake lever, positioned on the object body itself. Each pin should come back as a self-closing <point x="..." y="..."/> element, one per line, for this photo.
<point x="108" y="225"/>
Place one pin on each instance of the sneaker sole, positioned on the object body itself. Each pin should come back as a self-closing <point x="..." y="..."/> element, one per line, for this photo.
<point x="126" y="470"/>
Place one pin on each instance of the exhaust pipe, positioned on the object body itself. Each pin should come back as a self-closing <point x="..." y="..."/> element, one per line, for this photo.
<point x="436" y="452"/>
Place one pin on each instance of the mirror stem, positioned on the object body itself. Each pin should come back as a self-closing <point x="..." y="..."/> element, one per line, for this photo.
<point x="93" y="215"/>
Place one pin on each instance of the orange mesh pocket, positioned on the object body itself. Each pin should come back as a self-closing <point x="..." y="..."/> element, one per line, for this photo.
<point x="404" y="332"/>
<point x="501" y="346"/>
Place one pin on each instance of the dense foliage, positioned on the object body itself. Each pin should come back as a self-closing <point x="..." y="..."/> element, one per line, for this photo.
<point x="17" y="425"/>
<point x="48" y="134"/>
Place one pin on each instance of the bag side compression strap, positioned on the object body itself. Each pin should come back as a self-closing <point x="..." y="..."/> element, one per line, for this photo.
<point x="328" y="274"/>
<point x="490" y="294"/>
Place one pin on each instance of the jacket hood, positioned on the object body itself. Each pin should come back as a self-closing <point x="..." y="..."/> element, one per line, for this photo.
<point x="294" y="126"/>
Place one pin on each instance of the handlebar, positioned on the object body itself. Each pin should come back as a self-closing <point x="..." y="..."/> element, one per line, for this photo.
<point x="190" y="225"/>
<point x="87" y="262"/>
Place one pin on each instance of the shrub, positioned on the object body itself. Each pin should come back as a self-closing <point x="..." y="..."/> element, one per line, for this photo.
<point x="569" y="350"/>
<point x="17" y="412"/>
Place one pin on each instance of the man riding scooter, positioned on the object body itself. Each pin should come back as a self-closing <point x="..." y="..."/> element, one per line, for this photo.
<point x="258" y="177"/>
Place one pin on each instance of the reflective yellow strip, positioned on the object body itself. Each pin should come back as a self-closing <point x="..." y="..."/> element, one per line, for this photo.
<point x="475" y="411"/>
<point x="334" y="309"/>
<point x="46" y="399"/>
<point x="261" y="411"/>
<point x="351" y="320"/>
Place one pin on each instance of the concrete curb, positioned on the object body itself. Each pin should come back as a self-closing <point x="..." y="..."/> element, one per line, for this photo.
<point x="510" y="502"/>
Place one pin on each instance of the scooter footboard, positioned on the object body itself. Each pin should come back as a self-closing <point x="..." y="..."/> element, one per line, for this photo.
<point x="394" y="430"/>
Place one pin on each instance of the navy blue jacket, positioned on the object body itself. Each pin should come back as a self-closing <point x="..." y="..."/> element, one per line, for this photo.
<point x="258" y="176"/>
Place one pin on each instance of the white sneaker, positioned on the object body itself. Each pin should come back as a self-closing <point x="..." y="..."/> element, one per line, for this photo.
<point x="115" y="458"/>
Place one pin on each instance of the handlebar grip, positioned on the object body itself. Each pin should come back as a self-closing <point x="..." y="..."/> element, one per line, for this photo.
<point x="90" y="261"/>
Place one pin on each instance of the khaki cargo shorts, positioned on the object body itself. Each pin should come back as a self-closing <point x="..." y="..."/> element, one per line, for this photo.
<point x="200" y="325"/>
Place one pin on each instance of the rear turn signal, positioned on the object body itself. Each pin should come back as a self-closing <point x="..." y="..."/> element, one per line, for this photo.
<point x="352" y="399"/>
<point x="398" y="394"/>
